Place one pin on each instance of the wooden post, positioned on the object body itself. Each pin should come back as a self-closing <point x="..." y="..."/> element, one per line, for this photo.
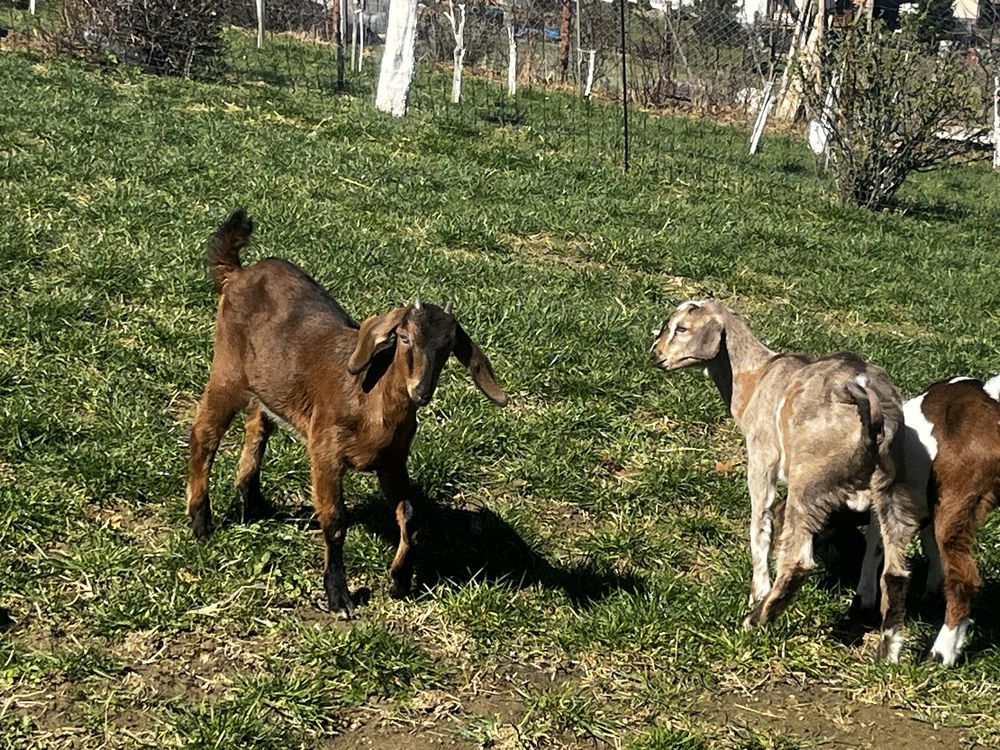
<point x="564" y="21"/>
<point x="511" y="59"/>
<point x="31" y="6"/>
<point x="590" y="73"/>
<point x="579" y="52"/>
<point x="457" y="31"/>
<point x="338" y="40"/>
<point x="624" y="89"/>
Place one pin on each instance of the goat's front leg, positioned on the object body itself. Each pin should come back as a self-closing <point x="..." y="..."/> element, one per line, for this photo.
<point x="395" y="484"/>
<point x="327" y="480"/>
<point x="761" y="482"/>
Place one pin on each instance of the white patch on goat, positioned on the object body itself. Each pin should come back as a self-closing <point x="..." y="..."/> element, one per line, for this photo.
<point x="920" y="448"/>
<point x="949" y="643"/>
<point x="992" y="387"/>
<point x="861" y="380"/>
<point x="860" y="502"/>
<point x="782" y="475"/>
<point x="893" y="638"/>
<point x="959" y="379"/>
<point x="760" y="548"/>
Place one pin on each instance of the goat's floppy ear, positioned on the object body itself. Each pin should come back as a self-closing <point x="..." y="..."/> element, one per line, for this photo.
<point x="479" y="367"/>
<point x="706" y="341"/>
<point x="375" y="335"/>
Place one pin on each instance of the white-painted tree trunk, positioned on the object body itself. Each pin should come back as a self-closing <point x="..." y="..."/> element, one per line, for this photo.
<point x="397" y="58"/>
<point x="511" y="59"/>
<point x="996" y="122"/>
<point x="31" y="7"/>
<point x="458" y="31"/>
<point x="590" y="73"/>
<point x="355" y="30"/>
<point x="260" y="22"/>
<point x="361" y="38"/>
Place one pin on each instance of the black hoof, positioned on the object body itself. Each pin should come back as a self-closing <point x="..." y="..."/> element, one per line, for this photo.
<point x="201" y="524"/>
<point x="255" y="507"/>
<point x="339" y="599"/>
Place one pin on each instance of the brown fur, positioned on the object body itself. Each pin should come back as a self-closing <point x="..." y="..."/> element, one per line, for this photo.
<point x="965" y="475"/>
<point x="286" y="349"/>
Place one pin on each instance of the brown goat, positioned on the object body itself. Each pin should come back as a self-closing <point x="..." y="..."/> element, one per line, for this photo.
<point x="953" y="469"/>
<point x="287" y="350"/>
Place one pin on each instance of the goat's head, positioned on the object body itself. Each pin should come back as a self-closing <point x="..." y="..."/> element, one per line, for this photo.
<point x="422" y="336"/>
<point x="692" y="335"/>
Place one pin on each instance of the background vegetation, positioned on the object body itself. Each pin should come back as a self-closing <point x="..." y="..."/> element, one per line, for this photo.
<point x="589" y="565"/>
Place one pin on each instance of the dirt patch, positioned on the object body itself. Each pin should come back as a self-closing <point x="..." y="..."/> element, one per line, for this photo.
<point x="823" y="716"/>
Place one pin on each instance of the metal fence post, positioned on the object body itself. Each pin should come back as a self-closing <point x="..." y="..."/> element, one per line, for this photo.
<point x="624" y="87"/>
<point x="260" y="23"/>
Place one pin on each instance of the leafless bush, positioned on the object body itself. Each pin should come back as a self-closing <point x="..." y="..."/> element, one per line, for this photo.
<point x="162" y="36"/>
<point x="890" y="107"/>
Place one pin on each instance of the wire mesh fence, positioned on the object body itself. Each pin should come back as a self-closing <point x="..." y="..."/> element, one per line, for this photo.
<point x="558" y="61"/>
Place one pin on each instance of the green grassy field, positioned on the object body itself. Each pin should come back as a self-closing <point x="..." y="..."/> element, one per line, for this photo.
<point x="587" y="565"/>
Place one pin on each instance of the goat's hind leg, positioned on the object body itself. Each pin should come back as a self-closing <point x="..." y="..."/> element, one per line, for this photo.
<point x="395" y="484"/>
<point x="896" y="535"/>
<point x="217" y="408"/>
<point x="258" y="428"/>
<point x="955" y="533"/>
<point x="795" y="558"/>
<point x="761" y="483"/>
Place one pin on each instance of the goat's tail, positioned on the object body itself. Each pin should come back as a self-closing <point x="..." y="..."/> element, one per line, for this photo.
<point x="878" y="429"/>
<point x="225" y="245"/>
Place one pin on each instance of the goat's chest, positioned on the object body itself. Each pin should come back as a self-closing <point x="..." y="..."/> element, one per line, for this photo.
<point x="372" y="445"/>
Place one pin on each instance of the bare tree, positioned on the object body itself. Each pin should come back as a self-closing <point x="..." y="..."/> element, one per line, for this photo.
<point x="458" y="31"/>
<point x="890" y="107"/>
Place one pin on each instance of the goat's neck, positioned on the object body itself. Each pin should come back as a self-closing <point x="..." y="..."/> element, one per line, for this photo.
<point x="738" y="366"/>
<point x="394" y="405"/>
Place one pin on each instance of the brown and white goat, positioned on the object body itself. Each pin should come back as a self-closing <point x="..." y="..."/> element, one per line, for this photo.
<point x="953" y="471"/>
<point x="826" y="427"/>
<point x="287" y="350"/>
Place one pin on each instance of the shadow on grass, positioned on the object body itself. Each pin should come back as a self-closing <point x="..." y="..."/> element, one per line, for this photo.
<point x="458" y="545"/>
<point x="842" y="549"/>
<point x="933" y="211"/>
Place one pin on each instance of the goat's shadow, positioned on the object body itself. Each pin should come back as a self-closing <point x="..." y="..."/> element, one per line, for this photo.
<point x="842" y="549"/>
<point x="457" y="545"/>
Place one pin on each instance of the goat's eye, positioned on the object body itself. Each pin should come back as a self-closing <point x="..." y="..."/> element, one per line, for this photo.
<point x="403" y="339"/>
<point x="680" y="329"/>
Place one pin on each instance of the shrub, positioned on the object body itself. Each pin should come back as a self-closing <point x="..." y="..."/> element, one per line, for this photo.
<point x="896" y="108"/>
<point x="178" y="37"/>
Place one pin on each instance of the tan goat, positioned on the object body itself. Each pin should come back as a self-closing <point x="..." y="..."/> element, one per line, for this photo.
<point x="287" y="350"/>
<point x="826" y="427"/>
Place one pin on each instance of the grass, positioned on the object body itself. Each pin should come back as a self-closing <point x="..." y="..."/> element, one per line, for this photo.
<point x="589" y="568"/>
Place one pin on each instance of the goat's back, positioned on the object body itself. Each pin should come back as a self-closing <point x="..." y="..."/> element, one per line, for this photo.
<point x="837" y="417"/>
<point x="961" y="433"/>
<point x="280" y="333"/>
